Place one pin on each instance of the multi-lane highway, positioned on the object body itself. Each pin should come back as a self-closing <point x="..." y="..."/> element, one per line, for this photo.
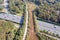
<point x="48" y="27"/>
<point x="10" y="17"/>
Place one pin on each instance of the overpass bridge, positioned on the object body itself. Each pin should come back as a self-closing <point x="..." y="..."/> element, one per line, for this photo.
<point x="10" y="17"/>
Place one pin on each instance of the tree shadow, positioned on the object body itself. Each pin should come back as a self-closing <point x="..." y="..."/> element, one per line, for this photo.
<point x="21" y="21"/>
<point x="37" y="2"/>
<point x="18" y="31"/>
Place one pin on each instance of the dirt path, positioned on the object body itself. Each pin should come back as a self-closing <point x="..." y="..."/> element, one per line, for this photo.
<point x="31" y="34"/>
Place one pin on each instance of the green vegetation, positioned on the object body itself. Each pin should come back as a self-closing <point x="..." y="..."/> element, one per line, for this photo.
<point x="44" y="37"/>
<point x="1" y="6"/>
<point x="20" y="32"/>
<point x="16" y="7"/>
<point x="1" y="1"/>
<point x="48" y="12"/>
<point x="6" y="30"/>
<point x="50" y="33"/>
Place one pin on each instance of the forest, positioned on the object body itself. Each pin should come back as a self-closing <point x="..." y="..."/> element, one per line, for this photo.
<point x="48" y="12"/>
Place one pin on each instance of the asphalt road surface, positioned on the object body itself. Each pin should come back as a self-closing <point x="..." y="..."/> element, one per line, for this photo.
<point x="10" y="17"/>
<point x="48" y="27"/>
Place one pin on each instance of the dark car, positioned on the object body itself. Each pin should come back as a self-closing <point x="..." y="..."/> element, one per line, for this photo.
<point x="7" y="1"/>
<point x="7" y="6"/>
<point x="54" y="27"/>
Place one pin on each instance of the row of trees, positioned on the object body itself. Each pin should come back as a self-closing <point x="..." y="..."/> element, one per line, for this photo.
<point x="50" y="33"/>
<point x="44" y="37"/>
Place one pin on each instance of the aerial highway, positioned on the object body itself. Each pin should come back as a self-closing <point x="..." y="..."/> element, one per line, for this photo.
<point x="48" y="27"/>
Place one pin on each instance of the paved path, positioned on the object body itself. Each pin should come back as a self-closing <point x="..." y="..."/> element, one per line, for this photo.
<point x="25" y="32"/>
<point x="48" y="27"/>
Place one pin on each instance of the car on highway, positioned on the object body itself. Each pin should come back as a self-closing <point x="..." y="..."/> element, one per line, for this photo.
<point x="7" y="6"/>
